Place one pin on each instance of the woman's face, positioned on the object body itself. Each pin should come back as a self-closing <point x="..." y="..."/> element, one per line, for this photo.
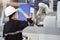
<point x="15" y="16"/>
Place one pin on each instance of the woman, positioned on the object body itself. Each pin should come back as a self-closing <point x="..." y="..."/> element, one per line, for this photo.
<point x="12" y="29"/>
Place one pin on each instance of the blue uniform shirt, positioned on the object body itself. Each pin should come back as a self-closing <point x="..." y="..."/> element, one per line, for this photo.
<point x="26" y="9"/>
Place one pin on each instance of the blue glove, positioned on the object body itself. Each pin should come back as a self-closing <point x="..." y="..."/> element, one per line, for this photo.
<point x="21" y="10"/>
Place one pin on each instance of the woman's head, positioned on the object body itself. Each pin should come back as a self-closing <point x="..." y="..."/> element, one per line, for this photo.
<point x="11" y="12"/>
<point x="13" y="16"/>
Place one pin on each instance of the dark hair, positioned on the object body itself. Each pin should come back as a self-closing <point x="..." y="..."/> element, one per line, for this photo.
<point x="11" y="15"/>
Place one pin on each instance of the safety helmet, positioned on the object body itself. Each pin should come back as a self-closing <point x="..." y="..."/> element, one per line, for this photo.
<point x="9" y="10"/>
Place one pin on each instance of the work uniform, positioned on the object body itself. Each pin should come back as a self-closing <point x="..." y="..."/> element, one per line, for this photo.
<point x="13" y="26"/>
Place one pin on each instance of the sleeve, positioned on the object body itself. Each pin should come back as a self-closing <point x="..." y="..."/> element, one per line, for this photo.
<point x="21" y="10"/>
<point x="22" y="24"/>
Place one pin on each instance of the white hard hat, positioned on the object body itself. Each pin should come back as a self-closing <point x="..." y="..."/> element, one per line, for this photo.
<point x="9" y="10"/>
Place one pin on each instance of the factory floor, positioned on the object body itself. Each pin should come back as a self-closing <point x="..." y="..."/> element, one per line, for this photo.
<point x="46" y="33"/>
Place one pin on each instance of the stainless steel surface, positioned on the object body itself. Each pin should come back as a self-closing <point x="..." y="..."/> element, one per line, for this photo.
<point x="42" y="30"/>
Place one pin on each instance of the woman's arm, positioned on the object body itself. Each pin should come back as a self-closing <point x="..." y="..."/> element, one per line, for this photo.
<point x="28" y="17"/>
<point x="22" y="11"/>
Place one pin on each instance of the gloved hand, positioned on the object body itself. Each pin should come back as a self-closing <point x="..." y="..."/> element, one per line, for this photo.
<point x="21" y="10"/>
<point x="30" y="21"/>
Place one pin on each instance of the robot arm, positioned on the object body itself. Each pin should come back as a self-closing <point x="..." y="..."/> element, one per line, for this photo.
<point x="41" y="7"/>
<point x="45" y="7"/>
<point x="39" y="12"/>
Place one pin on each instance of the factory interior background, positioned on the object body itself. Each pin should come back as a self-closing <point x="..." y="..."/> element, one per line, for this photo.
<point x="47" y="26"/>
